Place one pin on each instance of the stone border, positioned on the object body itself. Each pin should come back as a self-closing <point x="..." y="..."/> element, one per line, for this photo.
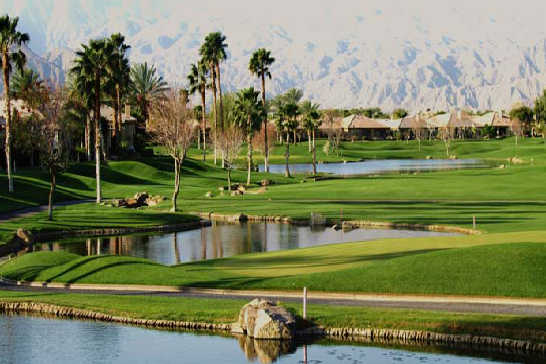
<point x="348" y="224"/>
<point x="344" y="334"/>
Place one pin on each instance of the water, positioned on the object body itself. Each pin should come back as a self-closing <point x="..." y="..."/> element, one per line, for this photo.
<point x="222" y="240"/>
<point x="27" y="339"/>
<point x="379" y="166"/>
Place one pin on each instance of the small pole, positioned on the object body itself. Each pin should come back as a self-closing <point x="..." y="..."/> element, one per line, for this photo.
<point x="474" y="222"/>
<point x="304" y="303"/>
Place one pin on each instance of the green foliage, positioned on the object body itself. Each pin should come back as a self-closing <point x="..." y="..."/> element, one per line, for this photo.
<point x="523" y="114"/>
<point x="248" y="110"/>
<point x="147" y="87"/>
<point x="260" y="62"/>
<point x="399" y="113"/>
<point x="540" y="107"/>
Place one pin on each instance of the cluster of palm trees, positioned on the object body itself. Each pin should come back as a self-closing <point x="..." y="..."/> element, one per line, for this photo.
<point x="102" y="75"/>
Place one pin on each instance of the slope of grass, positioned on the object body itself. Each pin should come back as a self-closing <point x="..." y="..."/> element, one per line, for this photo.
<point x="226" y="311"/>
<point x="503" y="265"/>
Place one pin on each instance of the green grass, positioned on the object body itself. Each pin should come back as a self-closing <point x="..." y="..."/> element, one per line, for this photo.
<point x="226" y="311"/>
<point x="494" y="265"/>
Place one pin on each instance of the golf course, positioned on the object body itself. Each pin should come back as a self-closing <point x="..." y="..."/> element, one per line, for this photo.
<point x="505" y="257"/>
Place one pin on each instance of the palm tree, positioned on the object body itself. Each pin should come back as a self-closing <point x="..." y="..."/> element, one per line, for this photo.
<point x="27" y="86"/>
<point x="213" y="51"/>
<point x="147" y="87"/>
<point x="90" y="74"/>
<point x="249" y="112"/>
<point x="197" y="79"/>
<point x="259" y="66"/>
<point x="119" y="79"/>
<point x="311" y="121"/>
<point x="79" y="107"/>
<point x="11" y="41"/>
<point x="286" y="121"/>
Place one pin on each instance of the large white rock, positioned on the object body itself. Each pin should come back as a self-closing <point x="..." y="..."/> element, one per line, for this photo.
<point x="261" y="319"/>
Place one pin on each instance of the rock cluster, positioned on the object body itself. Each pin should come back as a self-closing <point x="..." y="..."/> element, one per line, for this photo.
<point x="138" y="200"/>
<point x="261" y="319"/>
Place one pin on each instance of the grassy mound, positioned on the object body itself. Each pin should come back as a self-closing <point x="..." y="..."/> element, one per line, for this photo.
<point x="458" y="265"/>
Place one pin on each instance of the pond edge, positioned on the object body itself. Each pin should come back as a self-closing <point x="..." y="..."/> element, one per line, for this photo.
<point x="345" y="334"/>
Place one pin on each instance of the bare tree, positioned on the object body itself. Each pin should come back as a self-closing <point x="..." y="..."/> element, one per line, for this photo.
<point x="230" y="141"/>
<point x="52" y="144"/>
<point x="446" y="135"/>
<point x="170" y="124"/>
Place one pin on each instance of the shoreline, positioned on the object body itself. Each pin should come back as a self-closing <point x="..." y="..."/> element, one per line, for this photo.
<point x="410" y="337"/>
<point x="18" y="243"/>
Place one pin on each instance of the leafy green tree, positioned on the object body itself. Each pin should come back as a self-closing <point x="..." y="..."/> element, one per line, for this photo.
<point x="11" y="41"/>
<point x="524" y="114"/>
<point x="79" y="106"/>
<point x="540" y="114"/>
<point x="399" y="113"/>
<point x="259" y="65"/>
<point x="197" y="79"/>
<point x="249" y="112"/>
<point x="90" y="75"/>
<point x="146" y="87"/>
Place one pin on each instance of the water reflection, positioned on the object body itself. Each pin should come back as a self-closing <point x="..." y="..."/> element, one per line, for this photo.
<point x="27" y="339"/>
<point x="379" y="166"/>
<point x="221" y="240"/>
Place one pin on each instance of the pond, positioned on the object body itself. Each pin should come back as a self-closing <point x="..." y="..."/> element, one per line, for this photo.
<point x="379" y="166"/>
<point x="222" y="240"/>
<point x="28" y="339"/>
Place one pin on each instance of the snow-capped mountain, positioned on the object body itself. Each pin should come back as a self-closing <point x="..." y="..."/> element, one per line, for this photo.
<point x="414" y="54"/>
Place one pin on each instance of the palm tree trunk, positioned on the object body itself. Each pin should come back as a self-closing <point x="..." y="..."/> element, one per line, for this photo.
<point x="88" y="139"/>
<point x="53" y="184"/>
<point x="215" y="114"/>
<point x="286" y="156"/>
<point x="266" y="146"/>
<point x="177" y="165"/>
<point x="97" y="138"/>
<point x="204" y="122"/>
<point x="294" y="136"/>
<point x="249" y="137"/>
<point x="314" y="155"/>
<point x="8" y="121"/>
<point x="220" y="94"/>
<point x="309" y="140"/>
<point x="175" y="247"/>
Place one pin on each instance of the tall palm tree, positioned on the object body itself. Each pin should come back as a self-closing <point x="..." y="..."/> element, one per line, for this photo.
<point x="213" y="51"/>
<point x="90" y="74"/>
<point x="11" y="41"/>
<point x="27" y="86"/>
<point x="249" y="112"/>
<point x="259" y="66"/>
<point x="197" y="79"/>
<point x="291" y="111"/>
<point x="80" y="105"/>
<point x="311" y="121"/>
<point x="147" y="87"/>
<point x="119" y="79"/>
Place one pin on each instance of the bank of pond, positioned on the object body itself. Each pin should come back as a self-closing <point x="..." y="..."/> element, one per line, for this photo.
<point x="33" y="339"/>
<point x="222" y="240"/>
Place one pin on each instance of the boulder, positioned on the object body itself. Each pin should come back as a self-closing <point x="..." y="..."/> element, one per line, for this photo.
<point x="141" y="198"/>
<point x="266" y="182"/>
<point x="151" y="202"/>
<point x="261" y="319"/>
<point x="131" y="202"/>
<point x="119" y="202"/>
<point x="236" y="193"/>
<point x="241" y="188"/>
<point x="208" y="194"/>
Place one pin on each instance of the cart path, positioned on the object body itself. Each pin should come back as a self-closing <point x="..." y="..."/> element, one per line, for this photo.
<point x="465" y="304"/>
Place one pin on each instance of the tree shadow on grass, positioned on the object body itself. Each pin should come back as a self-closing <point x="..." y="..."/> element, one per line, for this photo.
<point x="258" y="263"/>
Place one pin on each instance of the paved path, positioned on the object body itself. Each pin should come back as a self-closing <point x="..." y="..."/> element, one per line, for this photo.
<point x="28" y="211"/>
<point x="471" y="304"/>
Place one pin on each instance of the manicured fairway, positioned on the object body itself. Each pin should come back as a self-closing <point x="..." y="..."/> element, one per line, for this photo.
<point x="496" y="265"/>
